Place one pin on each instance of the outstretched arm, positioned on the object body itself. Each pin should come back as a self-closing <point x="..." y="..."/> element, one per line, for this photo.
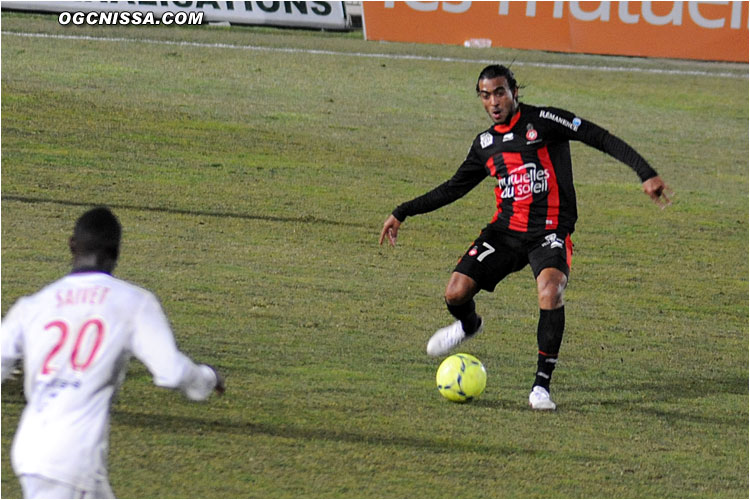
<point x="658" y="191"/>
<point x="652" y="184"/>
<point x="199" y="381"/>
<point x="599" y="138"/>
<point x="390" y="229"/>
<point x="154" y="345"/>
<point x="11" y="338"/>
<point x="469" y="174"/>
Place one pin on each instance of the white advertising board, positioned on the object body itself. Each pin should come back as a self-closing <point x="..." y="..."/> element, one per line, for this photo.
<point x="322" y="15"/>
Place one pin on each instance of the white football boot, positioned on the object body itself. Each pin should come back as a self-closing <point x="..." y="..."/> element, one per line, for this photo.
<point x="449" y="337"/>
<point x="539" y="399"/>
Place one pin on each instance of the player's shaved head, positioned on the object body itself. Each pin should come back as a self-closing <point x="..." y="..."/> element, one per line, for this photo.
<point x="97" y="232"/>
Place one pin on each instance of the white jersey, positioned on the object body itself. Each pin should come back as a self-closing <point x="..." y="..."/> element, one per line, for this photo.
<point x="75" y="337"/>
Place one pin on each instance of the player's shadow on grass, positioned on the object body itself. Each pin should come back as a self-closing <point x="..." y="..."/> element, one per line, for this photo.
<point x="186" y="425"/>
<point x="305" y="219"/>
<point x="670" y="396"/>
<point x="497" y="404"/>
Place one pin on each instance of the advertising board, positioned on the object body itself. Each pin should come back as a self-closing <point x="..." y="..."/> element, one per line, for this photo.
<point x="715" y="31"/>
<point x="319" y="15"/>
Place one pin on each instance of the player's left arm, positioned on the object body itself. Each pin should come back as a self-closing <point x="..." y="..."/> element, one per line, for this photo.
<point x="652" y="183"/>
<point x="658" y="191"/>
<point x="591" y="134"/>
<point x="154" y="345"/>
<point x="11" y="341"/>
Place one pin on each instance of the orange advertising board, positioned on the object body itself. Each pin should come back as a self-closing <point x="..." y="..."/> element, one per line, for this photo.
<point x="715" y="31"/>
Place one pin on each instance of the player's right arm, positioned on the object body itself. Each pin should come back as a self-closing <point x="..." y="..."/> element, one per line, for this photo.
<point x="469" y="174"/>
<point x="153" y="344"/>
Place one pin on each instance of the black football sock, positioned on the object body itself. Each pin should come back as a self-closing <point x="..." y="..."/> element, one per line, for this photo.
<point x="549" y="338"/>
<point x="467" y="314"/>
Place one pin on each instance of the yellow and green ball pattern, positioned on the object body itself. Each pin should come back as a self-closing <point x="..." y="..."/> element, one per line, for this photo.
<point x="461" y="377"/>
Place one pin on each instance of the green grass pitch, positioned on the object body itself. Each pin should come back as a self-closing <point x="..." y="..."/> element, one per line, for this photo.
<point x="252" y="185"/>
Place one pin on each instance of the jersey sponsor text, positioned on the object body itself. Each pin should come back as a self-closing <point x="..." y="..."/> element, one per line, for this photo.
<point x="562" y="121"/>
<point x="523" y="182"/>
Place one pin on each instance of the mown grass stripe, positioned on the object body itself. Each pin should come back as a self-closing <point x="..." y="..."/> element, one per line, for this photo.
<point x="378" y="55"/>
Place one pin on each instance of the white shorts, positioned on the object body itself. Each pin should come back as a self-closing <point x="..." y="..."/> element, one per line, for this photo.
<point x="41" y="487"/>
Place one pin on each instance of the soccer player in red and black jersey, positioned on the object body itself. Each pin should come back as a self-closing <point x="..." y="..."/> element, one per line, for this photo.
<point x="527" y="151"/>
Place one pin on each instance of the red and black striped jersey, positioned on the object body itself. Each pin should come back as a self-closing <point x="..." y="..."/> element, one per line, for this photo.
<point x="530" y="159"/>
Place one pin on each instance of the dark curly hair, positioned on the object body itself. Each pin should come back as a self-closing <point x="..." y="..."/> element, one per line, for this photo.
<point x="98" y="232"/>
<point x="495" y="71"/>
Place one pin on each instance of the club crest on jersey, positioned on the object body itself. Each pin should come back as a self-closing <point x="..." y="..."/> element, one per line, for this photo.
<point x="531" y="133"/>
<point x="485" y="140"/>
<point x="474" y="250"/>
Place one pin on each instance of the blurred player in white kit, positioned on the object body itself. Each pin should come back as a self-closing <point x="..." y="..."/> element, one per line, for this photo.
<point x="75" y="337"/>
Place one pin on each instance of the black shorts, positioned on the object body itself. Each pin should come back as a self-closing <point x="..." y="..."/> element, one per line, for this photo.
<point x="494" y="255"/>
